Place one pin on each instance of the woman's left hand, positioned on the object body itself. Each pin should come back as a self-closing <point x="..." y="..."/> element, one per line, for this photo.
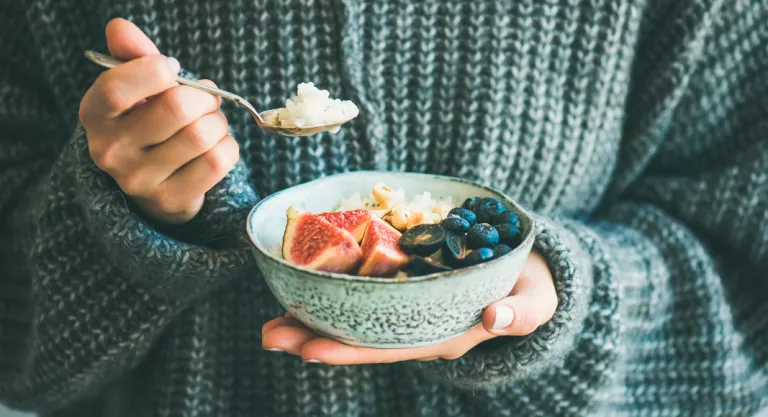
<point x="532" y="303"/>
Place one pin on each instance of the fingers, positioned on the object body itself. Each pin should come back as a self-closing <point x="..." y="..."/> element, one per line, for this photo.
<point x="126" y="41"/>
<point x="145" y="74"/>
<point x="120" y="152"/>
<point x="198" y="176"/>
<point x="168" y="113"/>
<point x="288" y="339"/>
<point x="513" y="316"/>
<point x="180" y="197"/>
<point x="285" y="335"/>
<point x="165" y="144"/>
<point x="331" y="352"/>
<point x="289" y="335"/>
<point x="280" y="321"/>
<point x="335" y="353"/>
<point x="533" y="302"/>
<point x="119" y="89"/>
<point x="535" y="276"/>
<point x="193" y="140"/>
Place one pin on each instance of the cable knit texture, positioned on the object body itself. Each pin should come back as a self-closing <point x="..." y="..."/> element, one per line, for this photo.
<point x="635" y="129"/>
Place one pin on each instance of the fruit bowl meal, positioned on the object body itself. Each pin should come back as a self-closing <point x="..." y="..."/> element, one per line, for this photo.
<point x="390" y="260"/>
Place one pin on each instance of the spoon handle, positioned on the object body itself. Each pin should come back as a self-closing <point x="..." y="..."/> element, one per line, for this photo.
<point x="107" y="61"/>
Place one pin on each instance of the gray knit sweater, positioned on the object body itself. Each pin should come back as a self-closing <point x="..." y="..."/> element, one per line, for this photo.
<point x="636" y="129"/>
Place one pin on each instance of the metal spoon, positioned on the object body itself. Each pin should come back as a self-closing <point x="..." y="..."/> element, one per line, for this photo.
<point x="266" y="120"/>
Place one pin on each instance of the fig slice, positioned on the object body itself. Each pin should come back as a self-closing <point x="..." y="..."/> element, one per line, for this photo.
<point x="381" y="255"/>
<point x="353" y="221"/>
<point x="315" y="243"/>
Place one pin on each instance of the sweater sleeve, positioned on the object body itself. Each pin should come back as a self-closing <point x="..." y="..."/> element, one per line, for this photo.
<point x="87" y="284"/>
<point x="663" y="284"/>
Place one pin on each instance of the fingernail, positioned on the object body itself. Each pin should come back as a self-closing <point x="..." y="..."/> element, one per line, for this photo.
<point x="175" y="64"/>
<point x="504" y="317"/>
<point x="312" y="361"/>
<point x="275" y="350"/>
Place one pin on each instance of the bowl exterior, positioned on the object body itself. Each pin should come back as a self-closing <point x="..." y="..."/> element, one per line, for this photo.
<point x="396" y="315"/>
<point x="380" y="312"/>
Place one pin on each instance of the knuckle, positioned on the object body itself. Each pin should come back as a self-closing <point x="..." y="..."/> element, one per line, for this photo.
<point x="96" y="153"/>
<point x="220" y="127"/>
<point x="110" y="93"/>
<point x="204" y="133"/>
<point x="133" y="184"/>
<point x="224" y="156"/>
<point x="188" y="212"/>
<point x="199" y="137"/>
<point x="106" y="157"/>
<point x="208" y="101"/>
<point x="223" y="123"/>
<point x="235" y="148"/>
<point x="217" y="160"/>
<point x="177" y="106"/>
<point x="166" y="203"/>
<point x="212" y="101"/>
<point x="158" y="68"/>
<point x="83" y="112"/>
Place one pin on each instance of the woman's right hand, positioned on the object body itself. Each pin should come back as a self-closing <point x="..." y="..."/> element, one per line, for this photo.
<point x="165" y="144"/>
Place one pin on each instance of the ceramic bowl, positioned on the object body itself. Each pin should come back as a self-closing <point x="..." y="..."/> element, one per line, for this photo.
<point x="382" y="312"/>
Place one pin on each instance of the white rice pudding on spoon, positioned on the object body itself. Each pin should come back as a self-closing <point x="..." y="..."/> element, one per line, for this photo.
<point x="312" y="107"/>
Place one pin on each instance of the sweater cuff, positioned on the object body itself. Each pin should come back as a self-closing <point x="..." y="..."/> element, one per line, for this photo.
<point x="507" y="359"/>
<point x="172" y="262"/>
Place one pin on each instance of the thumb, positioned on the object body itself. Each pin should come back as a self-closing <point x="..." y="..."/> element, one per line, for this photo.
<point x="518" y="315"/>
<point x="532" y="303"/>
<point x="126" y="41"/>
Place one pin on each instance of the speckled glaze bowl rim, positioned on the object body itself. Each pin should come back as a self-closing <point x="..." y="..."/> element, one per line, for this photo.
<point x="348" y="277"/>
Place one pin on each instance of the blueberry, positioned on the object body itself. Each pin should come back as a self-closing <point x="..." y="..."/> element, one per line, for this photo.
<point x="455" y="224"/>
<point x="487" y="208"/>
<point x="508" y="216"/>
<point x="422" y="240"/>
<point x="465" y="214"/>
<point x="454" y="248"/>
<point x="509" y="234"/>
<point x="482" y="236"/>
<point x="469" y="203"/>
<point x="501" y="250"/>
<point x="478" y="256"/>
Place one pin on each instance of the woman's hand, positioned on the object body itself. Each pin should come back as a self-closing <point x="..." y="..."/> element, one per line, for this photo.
<point x="165" y="144"/>
<point x="532" y="303"/>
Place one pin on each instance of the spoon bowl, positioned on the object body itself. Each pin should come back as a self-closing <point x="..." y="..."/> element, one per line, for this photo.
<point x="271" y="122"/>
<point x="268" y="120"/>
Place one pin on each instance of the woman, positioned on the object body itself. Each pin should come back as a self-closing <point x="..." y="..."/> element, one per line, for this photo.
<point x="634" y="129"/>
